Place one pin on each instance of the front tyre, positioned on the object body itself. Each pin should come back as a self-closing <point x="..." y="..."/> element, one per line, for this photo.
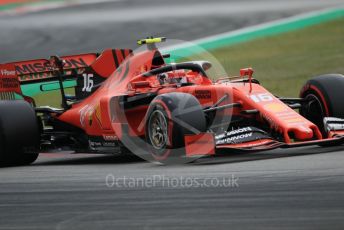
<point x="169" y="118"/>
<point x="324" y="98"/>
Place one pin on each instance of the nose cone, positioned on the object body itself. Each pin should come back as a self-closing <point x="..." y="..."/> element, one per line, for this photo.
<point x="303" y="133"/>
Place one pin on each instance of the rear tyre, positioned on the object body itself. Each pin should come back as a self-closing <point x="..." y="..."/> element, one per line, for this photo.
<point x="19" y="133"/>
<point x="324" y="95"/>
<point x="169" y="118"/>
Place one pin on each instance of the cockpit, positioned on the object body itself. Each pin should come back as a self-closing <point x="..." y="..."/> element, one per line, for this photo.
<point x="151" y="70"/>
<point x="185" y="73"/>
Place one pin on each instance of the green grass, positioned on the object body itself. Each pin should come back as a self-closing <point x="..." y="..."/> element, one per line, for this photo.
<point x="284" y="62"/>
<point x="14" y="5"/>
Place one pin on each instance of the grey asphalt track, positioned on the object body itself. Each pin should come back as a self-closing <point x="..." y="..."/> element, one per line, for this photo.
<point x="281" y="189"/>
<point x="298" y="189"/>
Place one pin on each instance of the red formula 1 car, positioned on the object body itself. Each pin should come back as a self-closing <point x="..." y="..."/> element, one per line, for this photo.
<point x="136" y="101"/>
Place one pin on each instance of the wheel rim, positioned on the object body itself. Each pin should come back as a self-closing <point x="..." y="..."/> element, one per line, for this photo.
<point x="314" y="110"/>
<point x="157" y="129"/>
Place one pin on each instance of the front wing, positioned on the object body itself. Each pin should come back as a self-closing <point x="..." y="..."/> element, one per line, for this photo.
<point x="198" y="146"/>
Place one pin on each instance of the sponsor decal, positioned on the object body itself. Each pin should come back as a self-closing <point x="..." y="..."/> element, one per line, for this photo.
<point x="298" y="120"/>
<point x="98" y="144"/>
<point x="276" y="107"/>
<point x="44" y="66"/>
<point x="110" y="137"/>
<point x="233" y="132"/>
<point x="6" y="72"/>
<point x="241" y="135"/>
<point x="283" y="116"/>
<point x="234" y="139"/>
<point x="94" y="144"/>
<point x="203" y="94"/>
<point x="86" y="112"/>
<point x="109" y="144"/>
<point x="41" y="69"/>
<point x="8" y="79"/>
<point x="44" y="75"/>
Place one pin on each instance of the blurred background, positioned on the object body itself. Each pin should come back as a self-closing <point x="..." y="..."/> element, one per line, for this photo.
<point x="38" y="29"/>
<point x="32" y="29"/>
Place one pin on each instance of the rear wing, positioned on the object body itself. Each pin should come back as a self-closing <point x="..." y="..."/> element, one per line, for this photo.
<point x="40" y="70"/>
<point x="15" y="74"/>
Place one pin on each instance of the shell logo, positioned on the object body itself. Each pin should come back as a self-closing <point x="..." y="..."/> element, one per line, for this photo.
<point x="276" y="107"/>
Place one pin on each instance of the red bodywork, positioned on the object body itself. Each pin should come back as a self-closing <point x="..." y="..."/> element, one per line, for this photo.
<point x="123" y="74"/>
